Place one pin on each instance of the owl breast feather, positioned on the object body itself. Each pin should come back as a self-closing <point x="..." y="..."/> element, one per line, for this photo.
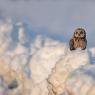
<point x="79" y="43"/>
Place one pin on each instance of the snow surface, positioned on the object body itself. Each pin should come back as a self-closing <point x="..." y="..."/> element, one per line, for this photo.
<point x="41" y="65"/>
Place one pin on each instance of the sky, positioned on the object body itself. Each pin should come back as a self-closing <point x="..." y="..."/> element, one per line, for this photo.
<point x="57" y="17"/>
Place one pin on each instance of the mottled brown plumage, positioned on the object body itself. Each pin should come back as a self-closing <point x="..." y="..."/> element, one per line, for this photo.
<point x="78" y="40"/>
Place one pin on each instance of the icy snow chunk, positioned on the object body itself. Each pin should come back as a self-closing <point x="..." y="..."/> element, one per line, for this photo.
<point x="81" y="81"/>
<point x="40" y="89"/>
<point x="44" y="60"/>
<point x="5" y="36"/>
<point x="92" y="50"/>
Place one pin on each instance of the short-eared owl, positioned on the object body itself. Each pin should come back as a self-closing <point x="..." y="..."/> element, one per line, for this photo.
<point x="78" y="40"/>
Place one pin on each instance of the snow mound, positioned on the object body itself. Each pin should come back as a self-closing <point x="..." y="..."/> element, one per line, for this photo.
<point x="81" y="81"/>
<point x="67" y="64"/>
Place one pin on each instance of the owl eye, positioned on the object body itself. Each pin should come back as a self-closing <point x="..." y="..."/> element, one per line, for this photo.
<point x="81" y="32"/>
<point x="76" y="32"/>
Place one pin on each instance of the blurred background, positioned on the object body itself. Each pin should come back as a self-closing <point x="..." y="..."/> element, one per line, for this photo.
<point x="55" y="18"/>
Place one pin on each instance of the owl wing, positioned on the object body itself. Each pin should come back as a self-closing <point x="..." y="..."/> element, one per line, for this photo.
<point x="71" y="44"/>
<point x="85" y="44"/>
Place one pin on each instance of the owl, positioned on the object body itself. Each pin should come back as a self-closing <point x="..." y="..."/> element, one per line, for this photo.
<point x="78" y="40"/>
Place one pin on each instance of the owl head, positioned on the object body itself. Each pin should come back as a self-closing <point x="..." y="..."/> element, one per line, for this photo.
<point x="80" y="33"/>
